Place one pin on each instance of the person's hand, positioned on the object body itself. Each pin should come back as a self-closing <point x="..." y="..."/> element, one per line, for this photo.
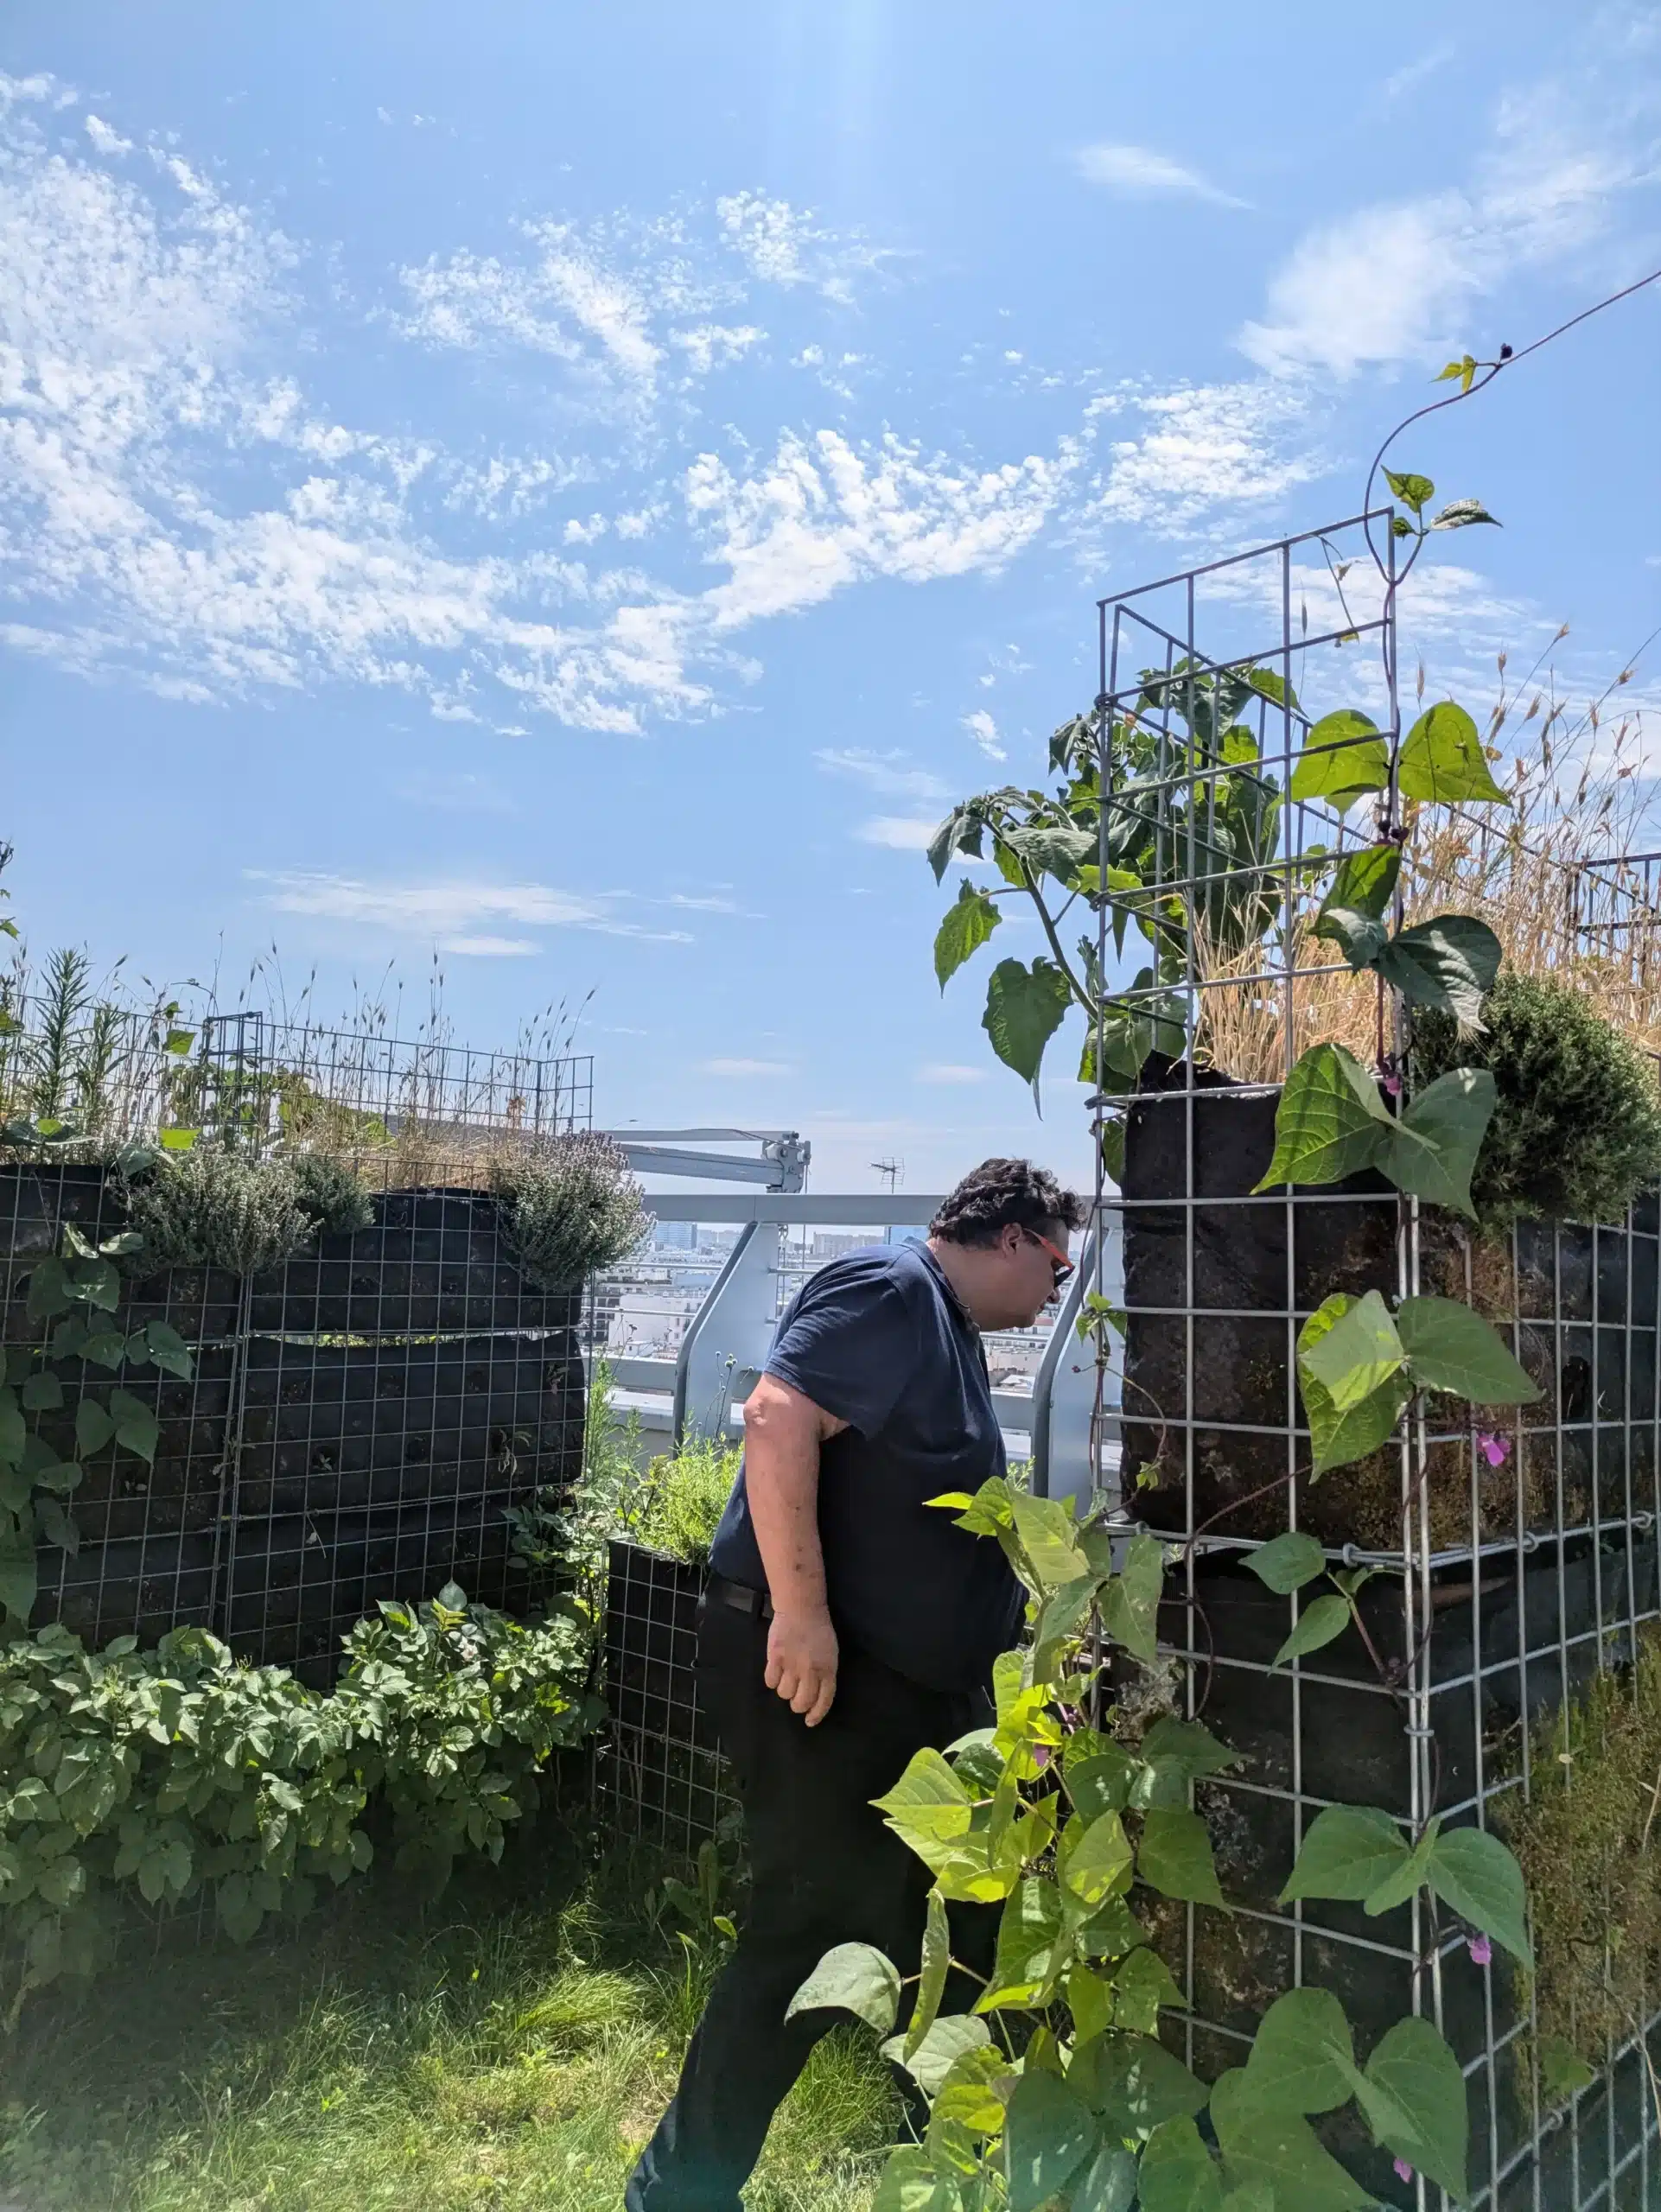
<point x="802" y="1664"/>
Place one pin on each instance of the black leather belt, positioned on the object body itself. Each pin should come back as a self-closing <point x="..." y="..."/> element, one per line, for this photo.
<point x="740" y="1597"/>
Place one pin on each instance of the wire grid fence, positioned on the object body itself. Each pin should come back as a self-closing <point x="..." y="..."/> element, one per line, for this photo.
<point x="664" y="1777"/>
<point x="1502" y="1588"/>
<point x="362" y="1418"/>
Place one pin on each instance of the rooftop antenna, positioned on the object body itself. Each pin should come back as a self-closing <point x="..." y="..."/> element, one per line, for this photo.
<point x="893" y="1172"/>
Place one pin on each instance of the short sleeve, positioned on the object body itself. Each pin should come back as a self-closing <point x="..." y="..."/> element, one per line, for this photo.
<point x="849" y="1343"/>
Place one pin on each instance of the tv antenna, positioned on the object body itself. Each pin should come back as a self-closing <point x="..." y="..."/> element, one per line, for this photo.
<point x="893" y="1172"/>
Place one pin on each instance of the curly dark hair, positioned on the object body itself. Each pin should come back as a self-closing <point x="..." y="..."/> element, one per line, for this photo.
<point x="1000" y="1191"/>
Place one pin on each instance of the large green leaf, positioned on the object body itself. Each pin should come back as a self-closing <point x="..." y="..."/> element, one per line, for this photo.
<point x="1321" y="1621"/>
<point x="1330" y="1122"/>
<point x="1049" y="1537"/>
<point x="928" y="1805"/>
<point x="19" y="1573"/>
<point x="1404" y="1880"/>
<point x="1477" y="1876"/>
<point x="936" y="1964"/>
<point x="136" y="1428"/>
<point x="1060" y="849"/>
<point x="1431" y="1151"/>
<point x="1442" y="760"/>
<point x="853" y="1978"/>
<point x="1287" y="1562"/>
<point x="1174" y="1856"/>
<point x="932" y="2056"/>
<point x="1108" y="2183"/>
<point x="1415" y="491"/>
<point x="1178" y="2173"/>
<point x="1143" y="1985"/>
<point x="1343" y="755"/>
<point x="1049" y="2134"/>
<point x="1301" y="2054"/>
<point x="1178" y="1752"/>
<point x="1348" y="1852"/>
<point x="1130" y="1601"/>
<point x="1414" y="2096"/>
<point x="13" y="1429"/>
<point x="1269" y="2147"/>
<point x="94" y="1427"/>
<point x="967" y="925"/>
<point x="1096" y="1862"/>
<point x="1351" y="915"/>
<point x="1024" y="1009"/>
<point x="1358" y="1352"/>
<point x="1026" y="1936"/>
<point x="1337" y="1437"/>
<point x="959" y="832"/>
<point x="1061" y="1617"/>
<point x="1452" y="1348"/>
<point x="1448" y="963"/>
<point x="1133" y="2082"/>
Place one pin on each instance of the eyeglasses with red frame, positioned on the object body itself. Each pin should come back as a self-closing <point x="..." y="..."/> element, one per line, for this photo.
<point x="1058" y="1261"/>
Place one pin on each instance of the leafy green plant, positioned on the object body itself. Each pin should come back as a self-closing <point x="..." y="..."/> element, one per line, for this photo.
<point x="1576" y="1131"/>
<point x="214" y="1207"/>
<point x="1054" y="2090"/>
<point x="569" y="1206"/>
<point x="332" y="1193"/>
<point x="685" y="1494"/>
<point x="160" y="1776"/>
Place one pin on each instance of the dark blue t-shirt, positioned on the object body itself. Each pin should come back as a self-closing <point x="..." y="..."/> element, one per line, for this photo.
<point x="880" y="1340"/>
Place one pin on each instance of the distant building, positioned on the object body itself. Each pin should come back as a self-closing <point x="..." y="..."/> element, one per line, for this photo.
<point x="676" y="1235"/>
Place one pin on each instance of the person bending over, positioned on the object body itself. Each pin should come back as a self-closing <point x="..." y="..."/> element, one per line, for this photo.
<point x="846" y="1625"/>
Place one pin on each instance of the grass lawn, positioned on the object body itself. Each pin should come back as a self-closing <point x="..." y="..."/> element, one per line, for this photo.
<point x="509" y="2046"/>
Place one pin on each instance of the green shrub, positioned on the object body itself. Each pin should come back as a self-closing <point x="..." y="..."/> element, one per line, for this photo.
<point x="332" y="1193"/>
<point x="686" y="1494"/>
<point x="568" y="1206"/>
<point x="216" y="1206"/>
<point x="180" y="1770"/>
<point x="1576" y="1131"/>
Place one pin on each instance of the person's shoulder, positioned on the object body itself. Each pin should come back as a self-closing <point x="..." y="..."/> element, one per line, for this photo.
<point x="868" y="1266"/>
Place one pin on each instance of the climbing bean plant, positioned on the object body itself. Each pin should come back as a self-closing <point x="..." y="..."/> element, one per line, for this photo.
<point x="1054" y="2088"/>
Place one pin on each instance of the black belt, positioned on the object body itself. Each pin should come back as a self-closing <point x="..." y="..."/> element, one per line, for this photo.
<point x="740" y="1597"/>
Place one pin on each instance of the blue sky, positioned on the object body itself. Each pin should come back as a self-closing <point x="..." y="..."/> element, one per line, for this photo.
<point x="581" y="489"/>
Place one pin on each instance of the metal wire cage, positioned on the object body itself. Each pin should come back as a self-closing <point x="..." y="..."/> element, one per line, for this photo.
<point x="1511" y="1571"/>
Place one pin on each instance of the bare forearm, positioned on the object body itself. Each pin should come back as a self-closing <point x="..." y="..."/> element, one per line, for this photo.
<point x="782" y="1478"/>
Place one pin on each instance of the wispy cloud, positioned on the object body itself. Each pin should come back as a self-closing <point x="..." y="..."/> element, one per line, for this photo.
<point x="824" y="512"/>
<point x="1415" y="72"/>
<point x="947" y="1073"/>
<point x="882" y="772"/>
<point x="1204" y="448"/>
<point x="1392" y="282"/>
<point x="984" y="731"/>
<point x="107" y="140"/>
<point x="742" y="1067"/>
<point x="901" y="833"/>
<point x="1140" y="174"/>
<point x="447" y="912"/>
<point x="781" y="244"/>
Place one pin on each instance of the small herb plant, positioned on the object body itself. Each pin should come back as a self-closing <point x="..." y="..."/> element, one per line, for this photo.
<point x="1576" y="1126"/>
<point x="165" y="1775"/>
<point x="569" y="1206"/>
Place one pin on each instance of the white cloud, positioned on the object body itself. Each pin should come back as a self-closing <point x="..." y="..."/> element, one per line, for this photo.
<point x="824" y="513"/>
<point x="880" y="771"/>
<point x="901" y="833"/>
<point x="445" y="911"/>
<point x="1415" y="72"/>
<point x="104" y="140"/>
<point x="1395" y="282"/>
<point x="1205" y="447"/>
<point x="984" y="731"/>
<point x="745" y="1067"/>
<point x="716" y="345"/>
<point x="781" y="244"/>
<point x="489" y="948"/>
<point x="1141" y="174"/>
<point x="946" y="1071"/>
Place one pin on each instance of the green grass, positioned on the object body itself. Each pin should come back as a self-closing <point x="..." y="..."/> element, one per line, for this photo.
<point x="511" y="2047"/>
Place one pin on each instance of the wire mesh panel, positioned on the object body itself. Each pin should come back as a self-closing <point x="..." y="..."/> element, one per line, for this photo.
<point x="663" y="1777"/>
<point x="358" y="1423"/>
<point x="1509" y="1570"/>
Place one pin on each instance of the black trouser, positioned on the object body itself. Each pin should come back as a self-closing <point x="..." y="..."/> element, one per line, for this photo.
<point x="824" y="1870"/>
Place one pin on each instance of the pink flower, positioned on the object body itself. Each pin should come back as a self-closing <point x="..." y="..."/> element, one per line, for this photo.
<point x="1040" y="1756"/>
<point x="1481" y="1950"/>
<point x="1496" y="1450"/>
<point x="1404" y="2171"/>
<point x="1392" y="1086"/>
